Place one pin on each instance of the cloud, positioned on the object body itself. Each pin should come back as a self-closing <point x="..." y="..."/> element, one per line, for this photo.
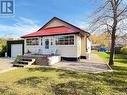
<point x="84" y="26"/>
<point x="21" y="27"/>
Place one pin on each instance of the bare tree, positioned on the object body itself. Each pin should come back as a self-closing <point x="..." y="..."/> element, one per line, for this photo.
<point x="110" y="18"/>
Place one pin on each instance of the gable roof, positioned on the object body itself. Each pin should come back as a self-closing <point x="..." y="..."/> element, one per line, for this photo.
<point x="51" y="31"/>
<point x="59" y="30"/>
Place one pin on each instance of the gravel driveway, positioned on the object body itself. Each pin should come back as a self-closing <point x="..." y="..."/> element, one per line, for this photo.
<point x="5" y="64"/>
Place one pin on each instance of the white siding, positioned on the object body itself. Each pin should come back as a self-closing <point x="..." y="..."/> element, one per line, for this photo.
<point x="55" y="23"/>
<point x="62" y="50"/>
<point x="88" y="45"/>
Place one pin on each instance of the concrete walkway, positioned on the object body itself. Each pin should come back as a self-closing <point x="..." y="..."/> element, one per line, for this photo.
<point x="94" y="65"/>
<point x="82" y="67"/>
<point x="94" y="58"/>
<point x="5" y="65"/>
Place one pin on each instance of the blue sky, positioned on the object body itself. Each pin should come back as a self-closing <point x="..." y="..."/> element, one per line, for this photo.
<point x="30" y="15"/>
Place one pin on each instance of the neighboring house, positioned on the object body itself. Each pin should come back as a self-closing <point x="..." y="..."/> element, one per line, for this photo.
<point x="58" y="37"/>
<point x="121" y="41"/>
<point x="95" y="46"/>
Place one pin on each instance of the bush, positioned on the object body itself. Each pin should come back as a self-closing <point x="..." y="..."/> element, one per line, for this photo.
<point x="118" y="50"/>
<point x="18" y="57"/>
<point x="3" y="49"/>
<point x="124" y="50"/>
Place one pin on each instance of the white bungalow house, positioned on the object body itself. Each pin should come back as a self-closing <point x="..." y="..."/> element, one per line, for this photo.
<point x="58" y="37"/>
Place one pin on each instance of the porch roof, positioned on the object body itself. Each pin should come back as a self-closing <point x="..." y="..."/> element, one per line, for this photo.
<point x="52" y="31"/>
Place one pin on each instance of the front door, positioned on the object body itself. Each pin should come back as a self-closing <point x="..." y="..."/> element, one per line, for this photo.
<point x="46" y="43"/>
<point x="47" y="46"/>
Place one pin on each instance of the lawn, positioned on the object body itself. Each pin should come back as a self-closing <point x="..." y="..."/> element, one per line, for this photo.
<point x="45" y="81"/>
<point x="119" y="59"/>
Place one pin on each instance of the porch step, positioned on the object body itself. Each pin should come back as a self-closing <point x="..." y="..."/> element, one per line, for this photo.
<point x="26" y="59"/>
<point x="23" y="62"/>
<point x="19" y="65"/>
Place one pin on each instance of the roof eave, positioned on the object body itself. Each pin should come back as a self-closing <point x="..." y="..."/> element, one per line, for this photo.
<point x="48" y="35"/>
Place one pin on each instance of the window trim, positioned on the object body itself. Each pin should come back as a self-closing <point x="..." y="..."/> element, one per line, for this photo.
<point x="32" y="44"/>
<point x="65" y="44"/>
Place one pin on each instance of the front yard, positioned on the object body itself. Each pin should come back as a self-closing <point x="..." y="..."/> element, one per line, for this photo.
<point x="46" y="81"/>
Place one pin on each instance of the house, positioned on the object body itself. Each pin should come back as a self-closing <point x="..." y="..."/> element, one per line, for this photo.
<point x="58" y="37"/>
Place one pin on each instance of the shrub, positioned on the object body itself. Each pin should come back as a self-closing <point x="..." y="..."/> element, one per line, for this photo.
<point x="18" y="57"/>
<point x="3" y="49"/>
<point x="118" y="50"/>
<point x="124" y="50"/>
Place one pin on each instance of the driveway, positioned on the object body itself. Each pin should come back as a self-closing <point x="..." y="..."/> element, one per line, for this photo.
<point x="5" y="64"/>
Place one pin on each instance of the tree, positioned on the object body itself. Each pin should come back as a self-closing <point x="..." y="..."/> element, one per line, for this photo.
<point x="102" y="39"/>
<point x="111" y="18"/>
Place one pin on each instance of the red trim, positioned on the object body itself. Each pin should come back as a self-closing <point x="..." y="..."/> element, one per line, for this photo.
<point x="60" y="30"/>
<point x="51" y="35"/>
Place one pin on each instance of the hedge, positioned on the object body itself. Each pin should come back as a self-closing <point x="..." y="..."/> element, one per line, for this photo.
<point x="124" y="50"/>
<point x="3" y="49"/>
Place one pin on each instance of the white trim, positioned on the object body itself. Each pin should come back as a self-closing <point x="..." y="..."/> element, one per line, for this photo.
<point x="67" y="45"/>
<point x="32" y="38"/>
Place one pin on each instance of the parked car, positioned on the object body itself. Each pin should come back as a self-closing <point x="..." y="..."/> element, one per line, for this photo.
<point x="103" y="49"/>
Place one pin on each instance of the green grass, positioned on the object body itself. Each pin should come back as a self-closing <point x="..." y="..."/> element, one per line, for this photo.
<point x="45" y="81"/>
<point x="119" y="59"/>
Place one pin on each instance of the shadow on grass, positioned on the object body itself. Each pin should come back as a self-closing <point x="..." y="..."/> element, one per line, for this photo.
<point x="121" y="89"/>
<point x="120" y="68"/>
<point x="41" y="69"/>
<point x="75" y="88"/>
<point x="116" y="80"/>
<point x="122" y="61"/>
<point x="5" y="90"/>
<point x="45" y="69"/>
<point x="119" y="58"/>
<point x="48" y="69"/>
<point x="69" y="88"/>
<point x="31" y="81"/>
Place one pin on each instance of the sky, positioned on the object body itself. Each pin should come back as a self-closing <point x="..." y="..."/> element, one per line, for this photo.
<point x="30" y="15"/>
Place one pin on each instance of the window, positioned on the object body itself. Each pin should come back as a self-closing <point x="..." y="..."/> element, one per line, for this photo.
<point x="32" y="41"/>
<point x="65" y="40"/>
<point x="51" y="41"/>
<point x="41" y="41"/>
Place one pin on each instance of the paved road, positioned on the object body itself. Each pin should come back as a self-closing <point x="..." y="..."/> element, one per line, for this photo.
<point x="5" y="64"/>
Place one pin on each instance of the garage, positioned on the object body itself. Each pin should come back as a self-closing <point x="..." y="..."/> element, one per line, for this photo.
<point x="15" y="47"/>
